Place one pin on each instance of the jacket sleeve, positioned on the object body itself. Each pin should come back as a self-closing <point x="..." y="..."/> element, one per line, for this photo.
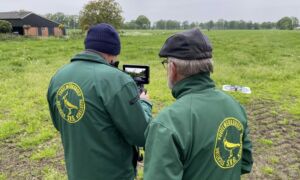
<point x="247" y="160"/>
<point x="147" y="107"/>
<point x="130" y="114"/>
<point x="51" y="105"/>
<point x="162" y="157"/>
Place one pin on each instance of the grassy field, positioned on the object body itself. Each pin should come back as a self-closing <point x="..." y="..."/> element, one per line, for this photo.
<point x="266" y="61"/>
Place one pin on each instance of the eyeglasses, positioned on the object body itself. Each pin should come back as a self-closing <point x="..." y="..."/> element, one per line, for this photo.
<point x="165" y="62"/>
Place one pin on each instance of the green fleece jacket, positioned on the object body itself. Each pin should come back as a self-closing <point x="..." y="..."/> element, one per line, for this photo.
<point x="203" y="135"/>
<point x="98" y="112"/>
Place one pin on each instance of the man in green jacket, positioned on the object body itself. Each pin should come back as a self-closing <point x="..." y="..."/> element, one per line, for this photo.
<point x="204" y="134"/>
<point x="98" y="111"/>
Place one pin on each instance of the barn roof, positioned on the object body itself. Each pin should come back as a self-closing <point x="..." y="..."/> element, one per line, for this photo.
<point x="21" y="18"/>
<point x="14" y="14"/>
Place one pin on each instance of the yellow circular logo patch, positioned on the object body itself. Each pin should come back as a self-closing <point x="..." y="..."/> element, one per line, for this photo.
<point x="70" y="102"/>
<point x="229" y="145"/>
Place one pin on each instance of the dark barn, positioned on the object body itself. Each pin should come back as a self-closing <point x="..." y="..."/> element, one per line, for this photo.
<point x="30" y="24"/>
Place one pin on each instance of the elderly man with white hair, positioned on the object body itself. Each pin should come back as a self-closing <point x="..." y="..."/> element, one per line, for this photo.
<point x="204" y="133"/>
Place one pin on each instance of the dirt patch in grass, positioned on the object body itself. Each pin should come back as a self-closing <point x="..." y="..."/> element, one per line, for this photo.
<point x="15" y="162"/>
<point x="276" y="142"/>
<point x="275" y="135"/>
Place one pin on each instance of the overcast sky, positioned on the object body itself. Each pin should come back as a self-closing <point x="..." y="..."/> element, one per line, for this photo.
<point x="191" y="10"/>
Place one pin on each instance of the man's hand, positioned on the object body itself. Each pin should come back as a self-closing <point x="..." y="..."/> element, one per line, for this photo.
<point x="144" y="95"/>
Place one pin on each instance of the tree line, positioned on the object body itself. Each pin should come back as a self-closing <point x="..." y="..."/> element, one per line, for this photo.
<point x="287" y="23"/>
<point x="109" y="11"/>
<point x="142" y="22"/>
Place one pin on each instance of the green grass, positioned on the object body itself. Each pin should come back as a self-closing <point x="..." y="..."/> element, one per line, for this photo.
<point x="266" y="61"/>
<point x="267" y="170"/>
<point x="49" y="173"/>
<point x="8" y="129"/>
<point x="266" y="142"/>
<point x="36" y="139"/>
<point x="2" y="176"/>
<point x="284" y="122"/>
<point x="140" y="174"/>
<point x="274" y="160"/>
<point x="48" y="152"/>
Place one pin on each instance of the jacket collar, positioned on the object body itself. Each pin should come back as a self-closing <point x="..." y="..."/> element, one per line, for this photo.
<point x="197" y="82"/>
<point x="89" y="56"/>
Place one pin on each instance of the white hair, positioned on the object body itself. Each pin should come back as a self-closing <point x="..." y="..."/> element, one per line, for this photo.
<point x="190" y="67"/>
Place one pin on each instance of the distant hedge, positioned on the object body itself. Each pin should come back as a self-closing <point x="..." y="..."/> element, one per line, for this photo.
<point x="5" y="26"/>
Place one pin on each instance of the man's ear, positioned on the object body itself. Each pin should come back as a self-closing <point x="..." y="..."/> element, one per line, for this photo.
<point x="174" y="71"/>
